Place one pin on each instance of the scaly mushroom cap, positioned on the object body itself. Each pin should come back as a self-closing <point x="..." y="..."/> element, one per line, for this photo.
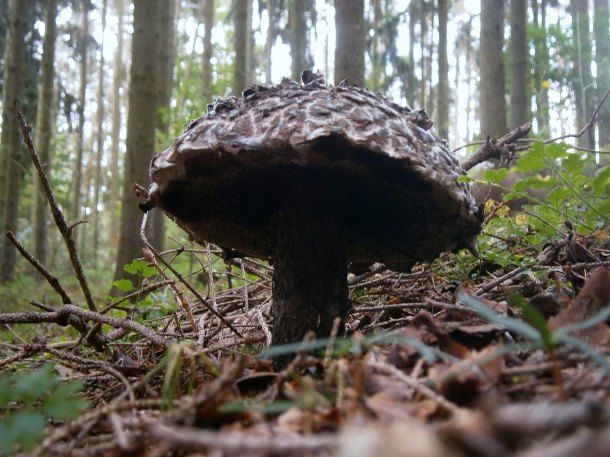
<point x="391" y="183"/>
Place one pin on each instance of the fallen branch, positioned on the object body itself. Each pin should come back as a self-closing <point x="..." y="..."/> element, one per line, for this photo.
<point x="60" y="221"/>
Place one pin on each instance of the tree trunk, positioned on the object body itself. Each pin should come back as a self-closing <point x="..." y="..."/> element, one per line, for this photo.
<point x="44" y="121"/>
<point x="492" y="102"/>
<point x="350" y="40"/>
<point x="541" y="67"/>
<point x="97" y="184"/>
<point x="115" y="179"/>
<point x="412" y="83"/>
<point x="141" y="122"/>
<point x="443" y="71"/>
<point x="377" y="69"/>
<point x="12" y="151"/>
<point x="165" y="75"/>
<point x="583" y="86"/>
<point x="75" y="203"/>
<point x="207" y="13"/>
<point x="519" y="110"/>
<point x="602" y="60"/>
<point x="299" y="44"/>
<point x="423" y="63"/>
<point x="242" y="11"/>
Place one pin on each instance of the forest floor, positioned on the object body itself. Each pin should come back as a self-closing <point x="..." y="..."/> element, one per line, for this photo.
<point x="436" y="362"/>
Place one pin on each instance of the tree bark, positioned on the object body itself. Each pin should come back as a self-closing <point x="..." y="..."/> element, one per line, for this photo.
<point x="583" y="85"/>
<point x="299" y="44"/>
<point x="44" y="121"/>
<point x="443" y="71"/>
<point x="350" y="40"/>
<point x="141" y="122"/>
<point x="207" y="13"/>
<point x="115" y="179"/>
<point x="492" y="102"/>
<point x="602" y="60"/>
<point x="100" y="136"/>
<point x="242" y="11"/>
<point x="12" y="151"/>
<point x="519" y="109"/>
<point x="541" y="67"/>
<point x="165" y="69"/>
<point x="83" y="52"/>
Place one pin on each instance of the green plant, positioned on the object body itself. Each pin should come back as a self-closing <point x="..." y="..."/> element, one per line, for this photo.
<point x="28" y="400"/>
<point x="561" y="188"/>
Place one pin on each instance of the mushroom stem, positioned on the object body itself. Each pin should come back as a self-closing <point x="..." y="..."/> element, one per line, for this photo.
<point x="310" y="269"/>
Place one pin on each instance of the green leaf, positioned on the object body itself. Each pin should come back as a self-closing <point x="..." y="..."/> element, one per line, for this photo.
<point x="495" y="175"/>
<point x="7" y="394"/>
<point x="30" y="386"/>
<point x="124" y="285"/>
<point x="510" y="323"/>
<point x="557" y="150"/>
<point x="601" y="181"/>
<point x="135" y="267"/>
<point x="25" y="428"/>
<point x="533" y="160"/>
<point x="574" y="163"/>
<point x="465" y="178"/>
<point x="535" y="318"/>
<point x="62" y="404"/>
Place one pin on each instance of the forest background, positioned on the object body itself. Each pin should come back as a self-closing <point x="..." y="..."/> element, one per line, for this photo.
<point x="105" y="84"/>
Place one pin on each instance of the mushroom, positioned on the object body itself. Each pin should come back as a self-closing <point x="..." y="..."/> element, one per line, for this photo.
<point x="315" y="179"/>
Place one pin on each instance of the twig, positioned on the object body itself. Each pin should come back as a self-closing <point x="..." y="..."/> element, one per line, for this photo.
<point x="120" y="323"/>
<point x="209" y="307"/>
<point x="58" y="217"/>
<point x="588" y="124"/>
<point x="417" y="386"/>
<point x="196" y="438"/>
<point x="52" y="280"/>
<point x="497" y="148"/>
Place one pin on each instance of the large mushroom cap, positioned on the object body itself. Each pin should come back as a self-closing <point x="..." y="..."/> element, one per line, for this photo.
<point x="368" y="161"/>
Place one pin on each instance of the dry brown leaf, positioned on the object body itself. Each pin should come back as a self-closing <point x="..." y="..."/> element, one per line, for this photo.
<point x="594" y="295"/>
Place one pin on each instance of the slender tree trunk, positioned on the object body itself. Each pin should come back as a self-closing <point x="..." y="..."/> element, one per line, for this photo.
<point x="519" y="110"/>
<point x="583" y="86"/>
<point x="115" y="179"/>
<point x="602" y="60"/>
<point x="242" y="10"/>
<point x="207" y="13"/>
<point x="423" y="33"/>
<point x="44" y="122"/>
<point x="99" y="142"/>
<point x="165" y="75"/>
<point x="12" y="151"/>
<point x="377" y="69"/>
<point x="412" y="83"/>
<point x="443" y="71"/>
<point x="540" y="70"/>
<point x="77" y="188"/>
<point x="492" y="102"/>
<point x="141" y="122"/>
<point x="350" y="40"/>
<point x="298" y="38"/>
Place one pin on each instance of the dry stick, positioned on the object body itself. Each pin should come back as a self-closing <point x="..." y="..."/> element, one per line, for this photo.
<point x="117" y="322"/>
<point x="209" y="307"/>
<point x="196" y="438"/>
<point x="496" y="148"/>
<point x="589" y="123"/>
<point x="491" y="149"/>
<point x="51" y="279"/>
<point x="60" y="222"/>
<point x="180" y="298"/>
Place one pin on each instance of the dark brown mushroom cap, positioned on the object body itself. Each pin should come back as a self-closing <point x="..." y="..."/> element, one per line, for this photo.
<point x="372" y="163"/>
